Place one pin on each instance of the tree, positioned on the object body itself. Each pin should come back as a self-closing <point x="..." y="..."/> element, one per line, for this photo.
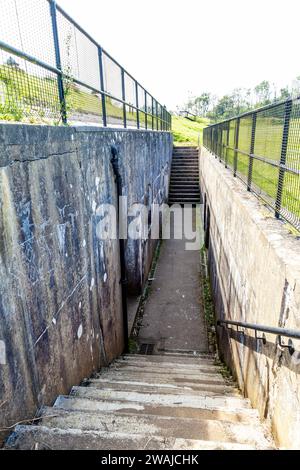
<point x="202" y="103"/>
<point x="263" y="93"/>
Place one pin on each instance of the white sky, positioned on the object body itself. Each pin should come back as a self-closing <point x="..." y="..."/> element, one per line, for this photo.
<point x="174" y="47"/>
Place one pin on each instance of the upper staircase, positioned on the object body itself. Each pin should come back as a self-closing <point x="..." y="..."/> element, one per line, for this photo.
<point x="173" y="401"/>
<point x="184" y="183"/>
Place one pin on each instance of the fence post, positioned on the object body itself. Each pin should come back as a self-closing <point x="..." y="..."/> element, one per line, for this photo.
<point x="152" y="113"/>
<point x="137" y="105"/>
<point x="146" y="112"/>
<point x="236" y="144"/>
<point x="60" y="83"/>
<point x="252" y="144"/>
<point x="227" y="144"/>
<point x="285" y="138"/>
<point x="124" y="98"/>
<point x="104" y="118"/>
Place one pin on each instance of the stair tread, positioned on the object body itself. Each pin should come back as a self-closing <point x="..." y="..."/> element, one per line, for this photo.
<point x="167" y="426"/>
<point x="70" y="403"/>
<point x="187" y="400"/>
<point x="42" y="437"/>
<point x="160" y="388"/>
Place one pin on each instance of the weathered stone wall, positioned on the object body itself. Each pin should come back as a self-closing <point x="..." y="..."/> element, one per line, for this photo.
<point x="255" y="275"/>
<point x="60" y="299"/>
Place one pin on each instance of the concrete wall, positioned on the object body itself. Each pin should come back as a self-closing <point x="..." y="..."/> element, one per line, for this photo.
<point x="60" y="311"/>
<point x="255" y="275"/>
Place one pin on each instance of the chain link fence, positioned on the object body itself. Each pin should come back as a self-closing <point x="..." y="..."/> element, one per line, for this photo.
<point x="52" y="71"/>
<point x="262" y="148"/>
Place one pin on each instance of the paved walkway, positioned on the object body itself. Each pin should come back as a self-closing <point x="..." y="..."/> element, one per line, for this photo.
<point x="173" y="316"/>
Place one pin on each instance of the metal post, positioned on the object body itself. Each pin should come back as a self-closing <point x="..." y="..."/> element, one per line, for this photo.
<point x="124" y="98"/>
<point x="220" y="134"/>
<point x="236" y="144"/>
<point x="227" y="144"/>
<point x="157" y="122"/>
<point x="285" y="138"/>
<point x="146" y="113"/>
<point x="60" y="83"/>
<point x="104" y="118"/>
<point x="152" y="113"/>
<point x="137" y="105"/>
<point x="252" y="145"/>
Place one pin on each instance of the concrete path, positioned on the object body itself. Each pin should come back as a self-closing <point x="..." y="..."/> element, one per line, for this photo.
<point x="173" y="317"/>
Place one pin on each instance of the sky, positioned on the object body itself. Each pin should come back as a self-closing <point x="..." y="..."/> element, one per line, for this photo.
<point x="179" y="47"/>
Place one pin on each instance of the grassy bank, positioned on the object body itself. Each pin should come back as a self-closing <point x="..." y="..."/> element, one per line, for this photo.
<point x="187" y="132"/>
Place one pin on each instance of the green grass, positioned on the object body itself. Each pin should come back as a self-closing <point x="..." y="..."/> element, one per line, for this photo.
<point x="268" y="141"/>
<point x="187" y="132"/>
<point x="35" y="99"/>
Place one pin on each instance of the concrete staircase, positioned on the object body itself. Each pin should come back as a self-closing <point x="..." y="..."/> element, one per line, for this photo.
<point x="184" y="183"/>
<point x="174" y="401"/>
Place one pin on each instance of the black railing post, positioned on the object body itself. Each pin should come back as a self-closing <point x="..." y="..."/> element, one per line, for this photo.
<point x="220" y="142"/>
<point x="252" y="146"/>
<point x="152" y="113"/>
<point x="102" y="86"/>
<point x="124" y="98"/>
<point x="137" y="105"/>
<point x="157" y="122"/>
<point x="60" y="83"/>
<point x="285" y="138"/>
<point x="227" y="144"/>
<point x="146" y="112"/>
<point x="236" y="145"/>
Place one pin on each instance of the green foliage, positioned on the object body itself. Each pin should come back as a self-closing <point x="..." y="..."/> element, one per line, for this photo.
<point x="239" y="101"/>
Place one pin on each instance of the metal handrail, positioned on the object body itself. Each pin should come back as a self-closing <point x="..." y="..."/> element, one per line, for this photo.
<point x="280" y="332"/>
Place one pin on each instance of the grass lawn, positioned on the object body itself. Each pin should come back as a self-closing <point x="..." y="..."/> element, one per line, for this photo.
<point x="187" y="132"/>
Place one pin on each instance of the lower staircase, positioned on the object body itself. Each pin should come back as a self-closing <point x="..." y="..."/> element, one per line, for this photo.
<point x="184" y="183"/>
<point x="173" y="401"/>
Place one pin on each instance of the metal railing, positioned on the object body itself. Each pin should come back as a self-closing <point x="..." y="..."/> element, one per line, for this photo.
<point x="279" y="332"/>
<point x="53" y="71"/>
<point x="262" y="148"/>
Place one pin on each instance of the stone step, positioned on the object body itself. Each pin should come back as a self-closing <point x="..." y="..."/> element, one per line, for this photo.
<point x="44" y="438"/>
<point x="171" y="358"/>
<point x="209" y="411"/>
<point x="162" y="377"/>
<point x="162" y="388"/>
<point x="159" y="361"/>
<point x="198" y="372"/>
<point x="184" y="428"/>
<point x="187" y="400"/>
<point x="184" y="353"/>
<point x="177" y="191"/>
<point x="184" y="200"/>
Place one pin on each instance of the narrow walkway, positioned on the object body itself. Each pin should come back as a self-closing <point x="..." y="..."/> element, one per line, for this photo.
<point x="173" y="317"/>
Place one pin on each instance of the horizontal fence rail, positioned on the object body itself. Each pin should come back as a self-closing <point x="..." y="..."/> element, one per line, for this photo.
<point x="262" y="148"/>
<point x="52" y="71"/>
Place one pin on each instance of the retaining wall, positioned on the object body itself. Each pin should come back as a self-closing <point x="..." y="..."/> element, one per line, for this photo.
<point x="60" y="292"/>
<point x="254" y="265"/>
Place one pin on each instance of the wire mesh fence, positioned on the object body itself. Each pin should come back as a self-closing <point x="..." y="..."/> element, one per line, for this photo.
<point x="52" y="71"/>
<point x="262" y="148"/>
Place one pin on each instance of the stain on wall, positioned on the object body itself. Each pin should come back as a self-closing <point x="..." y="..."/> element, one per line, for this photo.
<point x="60" y="299"/>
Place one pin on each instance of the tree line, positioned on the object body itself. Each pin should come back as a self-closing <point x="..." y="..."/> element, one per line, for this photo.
<point x="239" y="101"/>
